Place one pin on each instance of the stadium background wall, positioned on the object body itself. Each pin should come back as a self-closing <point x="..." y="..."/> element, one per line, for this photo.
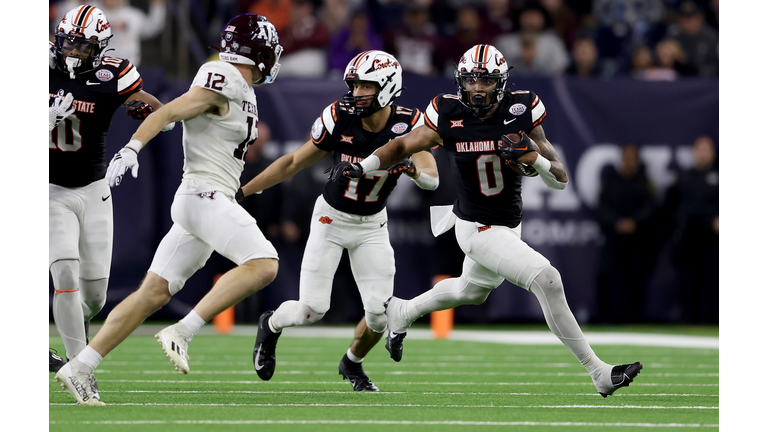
<point x="587" y="120"/>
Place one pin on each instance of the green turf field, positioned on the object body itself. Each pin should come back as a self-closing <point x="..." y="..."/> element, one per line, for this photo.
<point x="440" y="385"/>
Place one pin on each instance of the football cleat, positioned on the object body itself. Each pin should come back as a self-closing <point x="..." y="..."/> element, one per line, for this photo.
<point x="621" y="376"/>
<point x="175" y="342"/>
<point x="55" y="362"/>
<point x="78" y="382"/>
<point x="264" y="349"/>
<point x="397" y="324"/>
<point x="395" y="345"/>
<point x="356" y="375"/>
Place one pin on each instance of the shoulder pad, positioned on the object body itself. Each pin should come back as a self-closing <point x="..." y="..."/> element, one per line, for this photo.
<point x="330" y="116"/>
<point x="220" y="77"/>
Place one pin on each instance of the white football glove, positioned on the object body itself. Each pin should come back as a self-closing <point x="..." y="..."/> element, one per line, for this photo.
<point x="60" y="109"/>
<point x="123" y="160"/>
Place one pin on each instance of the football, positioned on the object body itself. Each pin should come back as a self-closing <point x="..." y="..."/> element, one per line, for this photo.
<point x="519" y="168"/>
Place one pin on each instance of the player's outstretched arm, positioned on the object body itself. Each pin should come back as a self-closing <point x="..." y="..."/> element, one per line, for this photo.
<point x="550" y="167"/>
<point x="285" y="167"/>
<point x="191" y="104"/>
<point x="419" y="139"/>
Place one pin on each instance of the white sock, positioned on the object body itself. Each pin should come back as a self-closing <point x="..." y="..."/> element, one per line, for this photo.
<point x="292" y="313"/>
<point x="193" y="322"/>
<point x="353" y="357"/>
<point x="446" y="294"/>
<point x="90" y="357"/>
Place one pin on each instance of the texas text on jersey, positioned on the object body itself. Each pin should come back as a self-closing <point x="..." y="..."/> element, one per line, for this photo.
<point x="77" y="145"/>
<point x="489" y="192"/>
<point x="338" y="131"/>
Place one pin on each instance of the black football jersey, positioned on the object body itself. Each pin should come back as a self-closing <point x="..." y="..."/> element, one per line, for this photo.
<point x="488" y="190"/>
<point x="78" y="145"/>
<point x="342" y="133"/>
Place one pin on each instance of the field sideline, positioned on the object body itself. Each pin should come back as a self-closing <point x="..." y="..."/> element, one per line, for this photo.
<point x="475" y="381"/>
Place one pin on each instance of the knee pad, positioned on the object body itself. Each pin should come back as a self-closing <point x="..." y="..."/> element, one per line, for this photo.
<point x="549" y="280"/>
<point x="376" y="322"/>
<point x="66" y="274"/>
<point x="293" y="313"/>
<point x="93" y="294"/>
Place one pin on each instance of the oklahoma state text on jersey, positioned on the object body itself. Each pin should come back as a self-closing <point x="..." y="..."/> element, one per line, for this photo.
<point x="488" y="191"/>
<point x="76" y="147"/>
<point x="338" y="131"/>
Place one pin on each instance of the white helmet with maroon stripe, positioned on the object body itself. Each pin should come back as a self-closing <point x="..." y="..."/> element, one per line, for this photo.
<point x="373" y="66"/>
<point x="478" y="63"/>
<point x="81" y="37"/>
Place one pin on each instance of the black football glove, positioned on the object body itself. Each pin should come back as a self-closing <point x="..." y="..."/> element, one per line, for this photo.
<point x="405" y="167"/>
<point x="345" y="169"/>
<point x="137" y="109"/>
<point x="511" y="151"/>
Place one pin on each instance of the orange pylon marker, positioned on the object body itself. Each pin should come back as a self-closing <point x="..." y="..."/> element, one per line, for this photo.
<point x="441" y="322"/>
<point x="225" y="321"/>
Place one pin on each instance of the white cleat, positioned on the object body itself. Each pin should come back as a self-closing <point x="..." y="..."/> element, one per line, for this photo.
<point x="79" y="383"/>
<point x="175" y="342"/>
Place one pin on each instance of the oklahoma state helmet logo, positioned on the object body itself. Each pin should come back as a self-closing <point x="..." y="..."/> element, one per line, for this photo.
<point x="457" y="123"/>
<point x="326" y="220"/>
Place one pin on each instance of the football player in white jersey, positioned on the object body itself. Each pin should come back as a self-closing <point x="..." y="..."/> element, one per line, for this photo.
<point x="86" y="87"/>
<point x="348" y="215"/>
<point x="220" y="117"/>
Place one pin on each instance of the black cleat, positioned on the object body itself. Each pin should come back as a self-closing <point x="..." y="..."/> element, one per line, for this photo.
<point x="395" y="345"/>
<point x="356" y="375"/>
<point x="622" y="375"/>
<point x="55" y="362"/>
<point x="264" y="350"/>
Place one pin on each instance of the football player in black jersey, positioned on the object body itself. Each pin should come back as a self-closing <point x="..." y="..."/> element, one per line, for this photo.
<point x="472" y="127"/>
<point x="86" y="88"/>
<point x="349" y="214"/>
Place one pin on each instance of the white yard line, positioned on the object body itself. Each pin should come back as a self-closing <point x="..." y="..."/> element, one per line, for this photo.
<point x="502" y="337"/>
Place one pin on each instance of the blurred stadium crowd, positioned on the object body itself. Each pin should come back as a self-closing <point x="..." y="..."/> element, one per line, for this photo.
<point x="645" y="39"/>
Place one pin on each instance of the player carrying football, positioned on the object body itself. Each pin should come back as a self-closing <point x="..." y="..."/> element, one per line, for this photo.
<point x="472" y="127"/>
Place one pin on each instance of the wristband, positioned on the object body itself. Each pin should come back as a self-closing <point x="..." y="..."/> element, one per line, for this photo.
<point x="542" y="164"/>
<point x="370" y="163"/>
<point x="426" y="181"/>
<point x="135" y="145"/>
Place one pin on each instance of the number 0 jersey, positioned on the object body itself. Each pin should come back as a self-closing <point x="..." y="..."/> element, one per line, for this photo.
<point x="77" y="146"/>
<point x="342" y="133"/>
<point x="214" y="145"/>
<point x="488" y="190"/>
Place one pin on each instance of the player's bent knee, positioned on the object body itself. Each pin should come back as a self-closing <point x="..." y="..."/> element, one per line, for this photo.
<point x="308" y="315"/>
<point x="549" y="280"/>
<point x="155" y="290"/>
<point x="376" y="322"/>
<point x="65" y="274"/>
<point x="475" y="294"/>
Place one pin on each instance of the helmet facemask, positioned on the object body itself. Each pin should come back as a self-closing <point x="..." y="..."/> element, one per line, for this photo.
<point x="80" y="40"/>
<point x="376" y="67"/>
<point x="481" y="63"/>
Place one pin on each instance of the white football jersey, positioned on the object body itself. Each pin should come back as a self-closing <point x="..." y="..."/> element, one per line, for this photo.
<point x="214" y="146"/>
